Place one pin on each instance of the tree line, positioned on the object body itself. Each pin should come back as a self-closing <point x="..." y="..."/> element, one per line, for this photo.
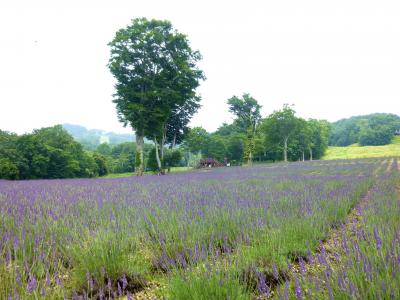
<point x="45" y="153"/>
<point x="279" y="136"/>
<point x="374" y="129"/>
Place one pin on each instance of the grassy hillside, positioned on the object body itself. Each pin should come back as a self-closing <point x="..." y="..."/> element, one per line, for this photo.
<point x="355" y="151"/>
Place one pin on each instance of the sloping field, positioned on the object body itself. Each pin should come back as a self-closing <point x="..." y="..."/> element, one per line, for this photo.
<point x="356" y="151"/>
<point x="229" y="233"/>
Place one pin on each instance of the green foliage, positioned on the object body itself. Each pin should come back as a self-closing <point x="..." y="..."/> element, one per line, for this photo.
<point x="319" y="137"/>
<point x="215" y="148"/>
<point x="46" y="153"/>
<point x="152" y="161"/>
<point x="106" y="255"/>
<point x="157" y="76"/>
<point x="197" y="140"/>
<point x="201" y="286"/>
<point x="374" y="129"/>
<point x="279" y="127"/>
<point x="100" y="161"/>
<point x="172" y="158"/>
<point x="8" y="169"/>
<point x="301" y="139"/>
<point x="247" y="111"/>
<point x="177" y="124"/>
<point x="381" y="135"/>
<point x="104" y="149"/>
<point x="235" y="145"/>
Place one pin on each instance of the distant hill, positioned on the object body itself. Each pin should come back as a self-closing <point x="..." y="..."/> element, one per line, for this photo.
<point x="355" y="151"/>
<point x="91" y="138"/>
<point x="374" y="129"/>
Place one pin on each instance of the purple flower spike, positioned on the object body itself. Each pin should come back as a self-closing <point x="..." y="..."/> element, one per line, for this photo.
<point x="124" y="282"/>
<point x="378" y="240"/>
<point x="129" y="296"/>
<point x="297" y="290"/>
<point x="101" y="294"/>
<point x="119" y="289"/>
<point x="275" y="271"/>
<point x="32" y="284"/>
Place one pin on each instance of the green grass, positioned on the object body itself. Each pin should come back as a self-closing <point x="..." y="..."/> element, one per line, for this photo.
<point x="173" y="170"/>
<point x="202" y="284"/>
<point x="356" y="151"/>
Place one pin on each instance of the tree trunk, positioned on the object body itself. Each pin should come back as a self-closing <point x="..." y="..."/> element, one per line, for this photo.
<point x="157" y="155"/>
<point x="163" y="139"/>
<point x="173" y="141"/>
<point x="303" y="154"/>
<point x="162" y="151"/>
<point x="285" y="149"/>
<point x="310" y="153"/>
<point x="139" y="153"/>
<point x="250" y="158"/>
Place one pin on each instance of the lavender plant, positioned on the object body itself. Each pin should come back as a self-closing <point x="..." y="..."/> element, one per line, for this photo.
<point x="104" y="238"/>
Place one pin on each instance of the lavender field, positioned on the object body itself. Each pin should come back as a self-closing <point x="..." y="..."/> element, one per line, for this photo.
<point x="269" y="231"/>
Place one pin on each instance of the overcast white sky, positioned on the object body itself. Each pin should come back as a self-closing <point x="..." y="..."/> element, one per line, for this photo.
<point x="332" y="59"/>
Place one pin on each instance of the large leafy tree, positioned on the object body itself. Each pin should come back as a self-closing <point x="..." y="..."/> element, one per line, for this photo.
<point x="156" y="73"/>
<point x="247" y="111"/>
<point x="279" y="127"/>
<point x="197" y="140"/>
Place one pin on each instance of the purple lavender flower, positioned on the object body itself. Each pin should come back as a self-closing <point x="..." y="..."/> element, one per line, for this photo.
<point x="286" y="290"/>
<point x="289" y="265"/>
<point x="124" y="282"/>
<point x="302" y="266"/>
<point x="275" y="271"/>
<point x="297" y="290"/>
<point x="18" y="278"/>
<point x="119" y="289"/>
<point x="261" y="282"/>
<point x="89" y="280"/>
<point x="42" y="291"/>
<point x="129" y="296"/>
<point x="109" y="286"/>
<point x="32" y="283"/>
<point x="378" y="240"/>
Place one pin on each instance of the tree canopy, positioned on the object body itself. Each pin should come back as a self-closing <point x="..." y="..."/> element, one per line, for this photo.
<point x="45" y="153"/>
<point x="156" y="75"/>
<point x="374" y="129"/>
<point x="247" y="112"/>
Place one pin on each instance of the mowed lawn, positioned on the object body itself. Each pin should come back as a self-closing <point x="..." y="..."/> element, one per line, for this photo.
<point x="355" y="151"/>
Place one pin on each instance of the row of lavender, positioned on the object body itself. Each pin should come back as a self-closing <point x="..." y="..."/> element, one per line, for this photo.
<point x="101" y="238"/>
<point x="363" y="260"/>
